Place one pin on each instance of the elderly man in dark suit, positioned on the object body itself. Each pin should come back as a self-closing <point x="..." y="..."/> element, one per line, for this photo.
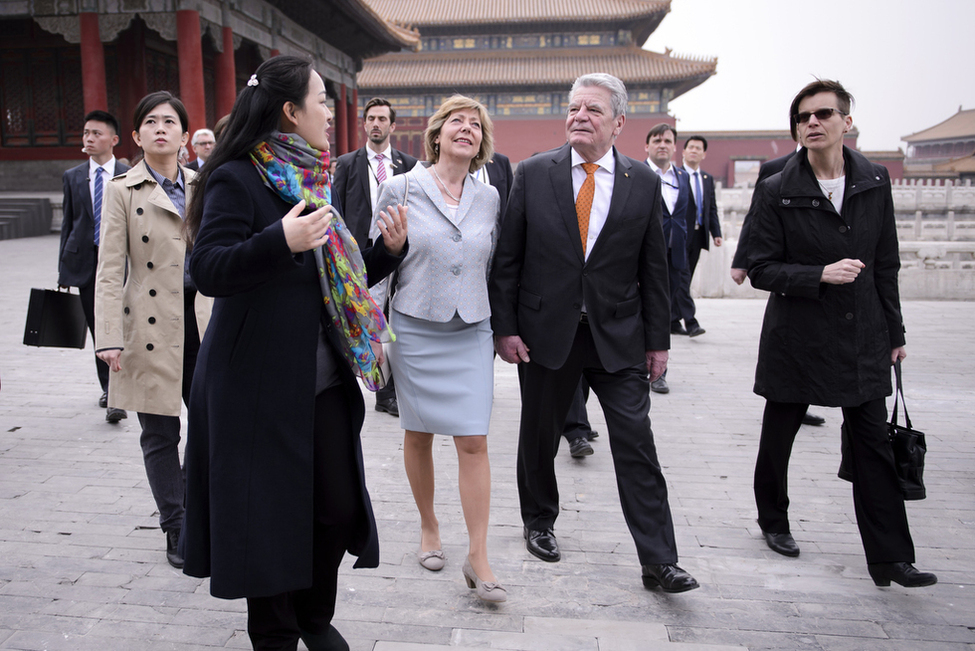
<point x="358" y="175"/>
<point x="80" y="226"/>
<point x="579" y="288"/>
<point x="702" y="223"/>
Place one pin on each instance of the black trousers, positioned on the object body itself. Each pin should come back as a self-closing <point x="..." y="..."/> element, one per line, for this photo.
<point x="88" y="307"/>
<point x="577" y="420"/>
<point x="879" y="505"/>
<point x="161" y="434"/>
<point x="625" y="400"/>
<point x="686" y="307"/>
<point x="681" y="307"/>
<point x="276" y="622"/>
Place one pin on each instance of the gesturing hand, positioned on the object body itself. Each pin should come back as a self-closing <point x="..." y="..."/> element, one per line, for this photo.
<point x="842" y="272"/>
<point x="393" y="227"/>
<point x="305" y="232"/>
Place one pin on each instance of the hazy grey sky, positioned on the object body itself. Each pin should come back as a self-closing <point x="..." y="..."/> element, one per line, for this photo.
<point x="908" y="63"/>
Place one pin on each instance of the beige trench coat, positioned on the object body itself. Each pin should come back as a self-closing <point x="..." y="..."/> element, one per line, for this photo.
<point x="143" y="314"/>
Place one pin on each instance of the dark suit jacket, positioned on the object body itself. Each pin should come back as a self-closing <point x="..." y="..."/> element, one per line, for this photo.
<point x="711" y="225"/>
<point x="540" y="276"/>
<point x="76" y="255"/>
<point x="351" y="186"/>
<point x="675" y="225"/>
<point x="499" y="173"/>
<point x="194" y="165"/>
<point x="767" y="169"/>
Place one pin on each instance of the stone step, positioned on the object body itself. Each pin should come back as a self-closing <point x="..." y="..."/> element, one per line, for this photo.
<point x="24" y="217"/>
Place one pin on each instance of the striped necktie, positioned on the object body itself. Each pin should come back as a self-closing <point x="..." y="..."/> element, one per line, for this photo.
<point x="380" y="168"/>
<point x="697" y="197"/>
<point x="97" y="201"/>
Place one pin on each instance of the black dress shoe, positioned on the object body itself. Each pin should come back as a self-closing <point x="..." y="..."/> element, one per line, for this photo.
<point x="695" y="330"/>
<point x="542" y="543"/>
<point x="670" y="578"/>
<point x="812" y="419"/>
<point x="114" y="415"/>
<point x="172" y="553"/>
<point x="783" y="543"/>
<point x="580" y="447"/>
<point x="677" y="329"/>
<point x="592" y="435"/>
<point x="103" y="401"/>
<point x="331" y="640"/>
<point x="390" y="406"/>
<point x="903" y="574"/>
<point x="660" y="385"/>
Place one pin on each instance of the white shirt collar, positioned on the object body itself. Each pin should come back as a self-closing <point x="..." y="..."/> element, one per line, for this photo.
<point x="669" y="172"/>
<point x="109" y="168"/>
<point x="607" y="162"/>
<point x="388" y="153"/>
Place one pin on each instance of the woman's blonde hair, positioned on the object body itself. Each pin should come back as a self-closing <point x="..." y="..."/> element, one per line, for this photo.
<point x="459" y="103"/>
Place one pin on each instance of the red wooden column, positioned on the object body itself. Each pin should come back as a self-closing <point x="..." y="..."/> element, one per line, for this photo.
<point x="92" y="64"/>
<point x="189" y="48"/>
<point x="275" y="52"/>
<point x="354" y="120"/>
<point x="341" y="123"/>
<point x="226" y="75"/>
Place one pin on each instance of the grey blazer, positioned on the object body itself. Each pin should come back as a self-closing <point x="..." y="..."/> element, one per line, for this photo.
<point x="447" y="267"/>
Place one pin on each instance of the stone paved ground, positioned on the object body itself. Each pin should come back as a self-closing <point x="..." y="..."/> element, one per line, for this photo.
<point x="82" y="566"/>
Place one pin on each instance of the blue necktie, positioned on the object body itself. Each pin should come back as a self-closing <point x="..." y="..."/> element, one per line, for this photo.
<point x="98" y="203"/>
<point x="697" y="197"/>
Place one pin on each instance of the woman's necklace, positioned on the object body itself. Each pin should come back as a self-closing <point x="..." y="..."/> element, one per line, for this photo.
<point x="444" y="185"/>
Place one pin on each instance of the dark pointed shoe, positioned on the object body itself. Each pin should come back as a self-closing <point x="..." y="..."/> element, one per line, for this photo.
<point x="695" y="330"/>
<point x="903" y="574"/>
<point x="782" y="543"/>
<point x="677" y="329"/>
<point x="592" y="435"/>
<point x="812" y="419"/>
<point x="331" y="640"/>
<point x="580" y="447"/>
<point x="103" y="401"/>
<point x="113" y="415"/>
<point x="172" y="551"/>
<point x="390" y="406"/>
<point x="669" y="578"/>
<point x="542" y="543"/>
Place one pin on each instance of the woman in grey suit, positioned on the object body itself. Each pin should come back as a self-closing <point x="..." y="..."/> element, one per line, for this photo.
<point x="443" y="353"/>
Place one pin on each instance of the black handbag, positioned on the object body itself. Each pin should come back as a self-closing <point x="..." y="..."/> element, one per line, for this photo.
<point x="909" y="447"/>
<point x="55" y="319"/>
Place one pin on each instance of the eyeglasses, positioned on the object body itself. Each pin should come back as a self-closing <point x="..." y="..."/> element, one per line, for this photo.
<point x="822" y="115"/>
<point x="205" y="143"/>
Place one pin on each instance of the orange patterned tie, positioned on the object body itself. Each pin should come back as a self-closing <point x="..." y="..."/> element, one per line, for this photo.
<point x="584" y="201"/>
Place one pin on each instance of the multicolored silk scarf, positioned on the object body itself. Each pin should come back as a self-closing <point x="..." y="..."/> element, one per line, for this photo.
<point x="295" y="171"/>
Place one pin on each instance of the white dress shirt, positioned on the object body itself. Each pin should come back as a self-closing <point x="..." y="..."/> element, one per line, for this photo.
<point x="373" y="174"/>
<point x="668" y="180"/>
<point x="107" y="176"/>
<point x="602" y="195"/>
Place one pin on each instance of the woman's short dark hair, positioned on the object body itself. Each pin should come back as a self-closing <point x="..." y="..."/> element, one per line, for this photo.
<point x="256" y="114"/>
<point x="152" y="100"/>
<point x="844" y="99"/>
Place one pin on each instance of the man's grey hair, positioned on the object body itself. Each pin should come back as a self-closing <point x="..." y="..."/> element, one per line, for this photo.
<point x="617" y="91"/>
<point x="201" y="132"/>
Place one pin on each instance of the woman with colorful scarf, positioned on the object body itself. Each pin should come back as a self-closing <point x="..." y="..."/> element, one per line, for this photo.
<point x="275" y="482"/>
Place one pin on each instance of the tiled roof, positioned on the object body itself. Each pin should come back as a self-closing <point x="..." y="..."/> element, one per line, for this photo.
<point x="959" y="125"/>
<point x="520" y="68"/>
<point x="469" y="12"/>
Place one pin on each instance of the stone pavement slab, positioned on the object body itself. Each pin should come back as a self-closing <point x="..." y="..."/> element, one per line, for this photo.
<point x="82" y="564"/>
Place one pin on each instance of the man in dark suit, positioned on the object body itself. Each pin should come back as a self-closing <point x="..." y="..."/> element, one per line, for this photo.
<point x="80" y="225"/>
<point x="356" y="188"/>
<point x="675" y="199"/>
<point x="702" y="223"/>
<point x="202" y="142"/>
<point x="358" y="173"/>
<point x="578" y="289"/>
<point x="497" y="172"/>
<point x="739" y="265"/>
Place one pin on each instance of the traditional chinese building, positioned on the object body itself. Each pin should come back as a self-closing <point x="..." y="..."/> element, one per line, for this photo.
<point x="60" y="59"/>
<point x="944" y="151"/>
<point x="519" y="58"/>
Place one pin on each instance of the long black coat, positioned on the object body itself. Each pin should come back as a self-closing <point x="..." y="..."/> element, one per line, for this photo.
<point x="249" y="441"/>
<point x="826" y="344"/>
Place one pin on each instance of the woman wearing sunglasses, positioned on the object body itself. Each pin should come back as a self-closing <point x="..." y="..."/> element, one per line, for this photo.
<point x="825" y="245"/>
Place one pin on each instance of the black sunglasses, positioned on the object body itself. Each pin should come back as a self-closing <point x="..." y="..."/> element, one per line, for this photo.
<point x="822" y="115"/>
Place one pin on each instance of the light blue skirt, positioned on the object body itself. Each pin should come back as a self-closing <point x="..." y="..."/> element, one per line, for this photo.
<point x="444" y="375"/>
